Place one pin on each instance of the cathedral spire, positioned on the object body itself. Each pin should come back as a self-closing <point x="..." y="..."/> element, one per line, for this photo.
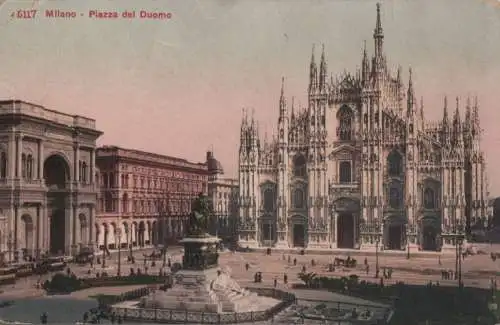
<point x="475" y="114"/>
<point x="456" y="119"/>
<point x="313" y="73"/>
<point x="293" y="107"/>
<point x="365" y="68"/>
<point x="445" y="113"/>
<point x="378" y="34"/>
<point x="283" y="112"/>
<point x="422" y="109"/>
<point x="322" y="70"/>
<point x="411" y="93"/>
<point x="468" y="116"/>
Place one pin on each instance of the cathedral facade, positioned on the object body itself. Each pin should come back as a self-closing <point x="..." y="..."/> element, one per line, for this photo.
<point x="361" y="167"/>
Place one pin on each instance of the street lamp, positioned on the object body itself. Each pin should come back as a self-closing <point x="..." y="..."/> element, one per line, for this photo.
<point x="104" y="248"/>
<point x="119" y="235"/>
<point x="460" y="238"/>
<point x="9" y="245"/>
<point x="408" y="242"/>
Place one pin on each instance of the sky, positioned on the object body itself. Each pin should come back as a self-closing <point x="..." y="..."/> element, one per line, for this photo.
<point x="178" y="86"/>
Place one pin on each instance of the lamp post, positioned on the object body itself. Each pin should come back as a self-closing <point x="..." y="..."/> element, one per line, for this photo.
<point x="119" y="235"/>
<point x="104" y="248"/>
<point x="459" y="251"/>
<point x="9" y="246"/>
<point x="407" y="242"/>
<point x="377" y="270"/>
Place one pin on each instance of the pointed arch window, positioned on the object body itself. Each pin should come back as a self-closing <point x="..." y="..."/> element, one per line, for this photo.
<point x="394" y="164"/>
<point x="298" y="198"/>
<point x="429" y="198"/>
<point x="395" y="198"/>
<point x="344" y="131"/>
<point x="299" y="166"/>
<point x="345" y="172"/>
<point x="268" y="200"/>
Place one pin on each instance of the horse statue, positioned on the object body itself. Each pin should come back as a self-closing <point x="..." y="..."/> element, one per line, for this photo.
<point x="199" y="220"/>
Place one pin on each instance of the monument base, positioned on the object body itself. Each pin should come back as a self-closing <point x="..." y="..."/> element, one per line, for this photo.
<point x="201" y="286"/>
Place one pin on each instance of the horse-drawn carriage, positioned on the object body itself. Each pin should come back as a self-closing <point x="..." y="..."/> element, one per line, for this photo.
<point x="345" y="262"/>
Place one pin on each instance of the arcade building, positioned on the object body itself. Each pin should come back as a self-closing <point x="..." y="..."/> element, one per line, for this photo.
<point x="47" y="187"/>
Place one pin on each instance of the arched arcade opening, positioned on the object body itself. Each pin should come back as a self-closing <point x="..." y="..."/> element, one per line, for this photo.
<point x="56" y="172"/>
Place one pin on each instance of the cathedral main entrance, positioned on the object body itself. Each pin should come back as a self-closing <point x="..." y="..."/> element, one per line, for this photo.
<point x="395" y="237"/>
<point x="345" y="230"/>
<point x="299" y="234"/>
<point x="429" y="238"/>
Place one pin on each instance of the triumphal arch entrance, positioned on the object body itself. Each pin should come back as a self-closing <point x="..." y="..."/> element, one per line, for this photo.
<point x="48" y="189"/>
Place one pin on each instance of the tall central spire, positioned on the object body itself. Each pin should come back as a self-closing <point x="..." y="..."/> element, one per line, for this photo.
<point x="378" y="34"/>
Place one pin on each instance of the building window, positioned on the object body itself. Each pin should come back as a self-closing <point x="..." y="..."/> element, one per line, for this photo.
<point x="84" y="172"/>
<point x="429" y="198"/>
<point x="345" y="172"/>
<point x="395" y="198"/>
<point x="29" y="167"/>
<point x="345" y="124"/>
<point x="394" y="164"/>
<point x="3" y="165"/>
<point x="268" y="200"/>
<point x="125" y="203"/>
<point x="23" y="165"/>
<point x="108" y="202"/>
<point x="299" y="166"/>
<point x="298" y="198"/>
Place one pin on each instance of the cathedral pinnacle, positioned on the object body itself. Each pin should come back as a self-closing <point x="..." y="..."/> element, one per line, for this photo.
<point x="411" y="94"/>
<point x="378" y="34"/>
<point x="282" y="104"/>
<point x="322" y="70"/>
<point x="313" y="74"/>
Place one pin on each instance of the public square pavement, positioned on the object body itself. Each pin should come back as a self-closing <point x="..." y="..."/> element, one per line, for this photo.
<point x="477" y="270"/>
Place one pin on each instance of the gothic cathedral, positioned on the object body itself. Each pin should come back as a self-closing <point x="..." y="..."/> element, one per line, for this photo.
<point x="362" y="167"/>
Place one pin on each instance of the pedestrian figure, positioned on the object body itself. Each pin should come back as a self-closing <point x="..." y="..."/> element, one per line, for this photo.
<point x="275" y="282"/>
<point x="366" y="261"/>
<point x="294" y="262"/>
<point x="43" y="318"/>
<point x="303" y="268"/>
<point x="289" y="259"/>
<point x="367" y="268"/>
<point x="247" y="266"/>
<point x="389" y="273"/>
<point x="285" y="279"/>
<point x="439" y="260"/>
<point x="313" y="263"/>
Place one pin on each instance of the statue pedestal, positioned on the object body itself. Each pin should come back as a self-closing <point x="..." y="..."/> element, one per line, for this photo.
<point x="200" y="253"/>
<point x="202" y="286"/>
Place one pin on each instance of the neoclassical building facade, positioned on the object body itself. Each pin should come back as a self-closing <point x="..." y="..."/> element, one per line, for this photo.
<point x="144" y="198"/>
<point x="47" y="189"/>
<point x="361" y="166"/>
<point x="223" y="192"/>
